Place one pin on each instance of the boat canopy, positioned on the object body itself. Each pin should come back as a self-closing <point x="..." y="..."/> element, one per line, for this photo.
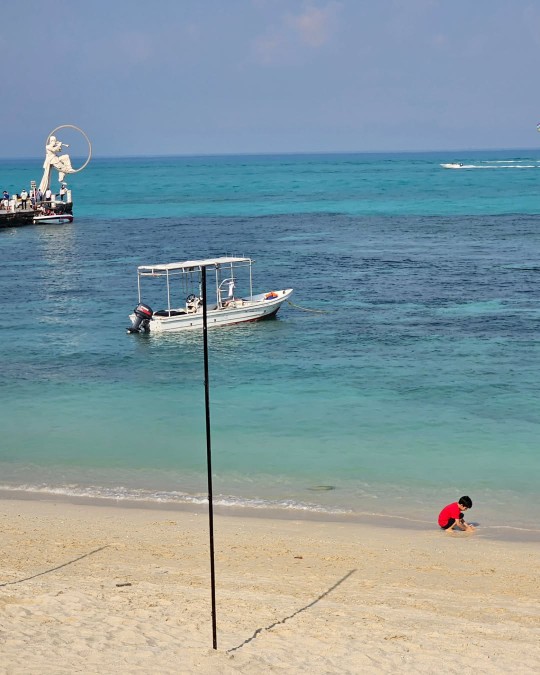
<point x="190" y="265"/>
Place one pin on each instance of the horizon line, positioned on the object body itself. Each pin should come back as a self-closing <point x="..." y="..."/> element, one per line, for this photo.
<point x="288" y="153"/>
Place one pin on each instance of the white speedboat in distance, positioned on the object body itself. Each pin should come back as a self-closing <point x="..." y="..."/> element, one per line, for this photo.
<point x="453" y="165"/>
<point x="184" y="289"/>
<point x="54" y="218"/>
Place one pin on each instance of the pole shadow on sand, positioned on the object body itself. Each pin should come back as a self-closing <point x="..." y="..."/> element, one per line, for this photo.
<point x="53" y="569"/>
<point x="302" y="609"/>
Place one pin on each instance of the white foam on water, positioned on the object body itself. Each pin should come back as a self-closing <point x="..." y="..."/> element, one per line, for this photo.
<point x="122" y="494"/>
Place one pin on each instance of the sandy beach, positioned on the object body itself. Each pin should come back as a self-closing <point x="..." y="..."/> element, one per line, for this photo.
<point x="101" y="589"/>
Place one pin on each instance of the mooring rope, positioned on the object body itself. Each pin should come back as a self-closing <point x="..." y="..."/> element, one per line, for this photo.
<point x="306" y="309"/>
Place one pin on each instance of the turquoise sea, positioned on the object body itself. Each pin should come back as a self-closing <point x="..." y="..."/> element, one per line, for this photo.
<point x="406" y="374"/>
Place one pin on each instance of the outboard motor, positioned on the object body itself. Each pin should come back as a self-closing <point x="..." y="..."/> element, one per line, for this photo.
<point x="143" y="314"/>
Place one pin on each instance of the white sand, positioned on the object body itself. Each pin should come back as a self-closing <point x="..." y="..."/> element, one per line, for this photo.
<point x="292" y="596"/>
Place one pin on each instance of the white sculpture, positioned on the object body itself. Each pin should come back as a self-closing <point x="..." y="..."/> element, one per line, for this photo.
<point x="62" y="163"/>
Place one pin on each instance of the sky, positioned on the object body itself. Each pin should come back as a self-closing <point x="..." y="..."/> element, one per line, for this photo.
<point x="190" y="77"/>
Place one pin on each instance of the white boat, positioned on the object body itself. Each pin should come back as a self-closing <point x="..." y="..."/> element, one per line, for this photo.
<point x="54" y="218"/>
<point x="453" y="165"/>
<point x="183" y="282"/>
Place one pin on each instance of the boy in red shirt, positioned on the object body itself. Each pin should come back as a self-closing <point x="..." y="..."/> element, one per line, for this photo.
<point x="452" y="515"/>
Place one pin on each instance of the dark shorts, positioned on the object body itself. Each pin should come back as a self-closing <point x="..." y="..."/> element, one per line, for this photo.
<point x="450" y="522"/>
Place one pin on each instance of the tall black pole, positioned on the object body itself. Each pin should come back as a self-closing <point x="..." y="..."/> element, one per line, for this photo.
<point x="209" y="459"/>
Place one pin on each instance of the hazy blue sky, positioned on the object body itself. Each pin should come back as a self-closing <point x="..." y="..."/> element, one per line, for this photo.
<point x="248" y="76"/>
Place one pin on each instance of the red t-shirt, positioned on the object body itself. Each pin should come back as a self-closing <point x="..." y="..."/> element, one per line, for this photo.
<point x="450" y="511"/>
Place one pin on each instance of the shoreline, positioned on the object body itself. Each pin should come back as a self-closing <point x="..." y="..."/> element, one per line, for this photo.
<point x="503" y="533"/>
<point x="122" y="590"/>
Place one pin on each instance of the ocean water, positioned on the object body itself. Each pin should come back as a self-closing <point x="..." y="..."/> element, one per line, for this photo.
<point x="405" y="373"/>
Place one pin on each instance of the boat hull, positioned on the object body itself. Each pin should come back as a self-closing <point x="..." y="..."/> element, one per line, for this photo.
<point x="240" y="310"/>
<point x="54" y="219"/>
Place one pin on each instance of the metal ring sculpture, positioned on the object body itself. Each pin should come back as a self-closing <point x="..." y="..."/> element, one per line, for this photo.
<point x="72" y="126"/>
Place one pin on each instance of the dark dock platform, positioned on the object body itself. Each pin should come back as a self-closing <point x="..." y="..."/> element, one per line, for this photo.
<point x="26" y="216"/>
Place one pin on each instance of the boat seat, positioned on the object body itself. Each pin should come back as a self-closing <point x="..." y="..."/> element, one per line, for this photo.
<point x="166" y="312"/>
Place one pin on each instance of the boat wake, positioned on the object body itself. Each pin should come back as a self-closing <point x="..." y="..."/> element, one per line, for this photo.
<point x="493" y="164"/>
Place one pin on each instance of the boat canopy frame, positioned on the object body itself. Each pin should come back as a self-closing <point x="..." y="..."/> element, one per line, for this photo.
<point x="184" y="269"/>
